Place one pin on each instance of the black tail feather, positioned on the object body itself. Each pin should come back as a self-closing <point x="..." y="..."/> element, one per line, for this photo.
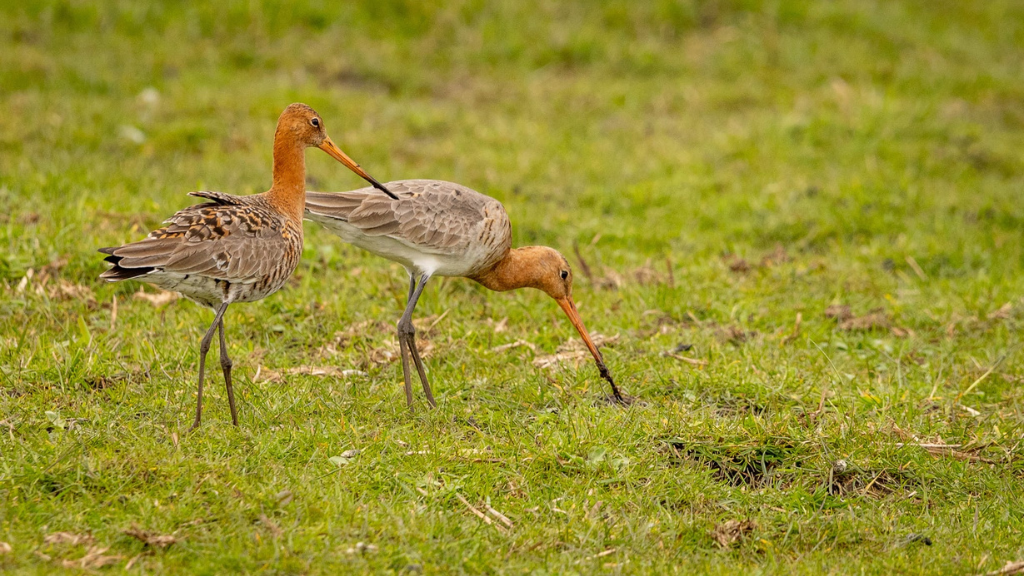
<point x="117" y="272"/>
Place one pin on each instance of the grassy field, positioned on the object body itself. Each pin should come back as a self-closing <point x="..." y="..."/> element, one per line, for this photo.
<point x="804" y="229"/>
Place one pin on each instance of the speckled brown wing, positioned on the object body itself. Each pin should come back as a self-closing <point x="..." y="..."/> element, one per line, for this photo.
<point x="234" y="239"/>
<point x="431" y="215"/>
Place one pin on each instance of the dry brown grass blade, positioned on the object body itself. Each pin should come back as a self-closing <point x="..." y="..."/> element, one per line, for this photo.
<point x="133" y="560"/>
<point x="982" y="377"/>
<point x="584" y="267"/>
<point x="686" y="359"/>
<point x="1010" y="568"/>
<point x="501" y="517"/>
<point x="93" y="559"/>
<point x="113" y="312"/>
<point x="478" y="513"/>
<point x="916" y="267"/>
<point x="68" y="538"/>
<point x="154" y="539"/>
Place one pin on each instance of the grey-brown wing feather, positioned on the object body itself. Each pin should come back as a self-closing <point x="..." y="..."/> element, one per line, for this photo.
<point x="230" y="239"/>
<point x="429" y="214"/>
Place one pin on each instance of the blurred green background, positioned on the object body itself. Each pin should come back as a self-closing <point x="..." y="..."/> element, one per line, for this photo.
<point x="729" y="170"/>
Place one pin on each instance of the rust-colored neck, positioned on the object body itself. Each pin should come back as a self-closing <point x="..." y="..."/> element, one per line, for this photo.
<point x="288" y="193"/>
<point x="513" y="271"/>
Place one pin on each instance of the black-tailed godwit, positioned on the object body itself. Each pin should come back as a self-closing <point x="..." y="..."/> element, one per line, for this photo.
<point x="234" y="248"/>
<point x="438" y="228"/>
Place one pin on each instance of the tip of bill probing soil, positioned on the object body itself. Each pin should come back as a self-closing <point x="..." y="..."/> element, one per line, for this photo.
<point x="623" y="400"/>
<point x="615" y="397"/>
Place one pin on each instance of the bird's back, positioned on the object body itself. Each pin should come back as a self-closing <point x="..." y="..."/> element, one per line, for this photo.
<point x="433" y="227"/>
<point x="234" y="248"/>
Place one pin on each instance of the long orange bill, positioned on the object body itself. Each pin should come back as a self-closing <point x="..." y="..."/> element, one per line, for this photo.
<point x="569" y="307"/>
<point x="334" y="152"/>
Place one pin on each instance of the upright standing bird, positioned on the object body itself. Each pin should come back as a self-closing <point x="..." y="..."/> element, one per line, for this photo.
<point x="437" y="228"/>
<point x="234" y="248"/>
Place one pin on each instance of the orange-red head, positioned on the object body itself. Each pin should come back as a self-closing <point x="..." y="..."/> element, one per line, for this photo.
<point x="545" y="269"/>
<point x="304" y="126"/>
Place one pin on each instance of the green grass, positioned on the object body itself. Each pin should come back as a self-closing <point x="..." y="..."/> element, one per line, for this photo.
<point x="726" y="167"/>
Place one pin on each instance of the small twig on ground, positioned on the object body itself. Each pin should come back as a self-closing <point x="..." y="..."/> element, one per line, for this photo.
<point x="583" y="263"/>
<point x="478" y="513"/>
<point x="504" y="519"/>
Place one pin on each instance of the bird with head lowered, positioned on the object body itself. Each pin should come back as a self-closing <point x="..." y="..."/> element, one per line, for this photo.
<point x="438" y="228"/>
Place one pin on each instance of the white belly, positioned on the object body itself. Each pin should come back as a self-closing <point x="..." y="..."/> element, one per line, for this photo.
<point x="210" y="292"/>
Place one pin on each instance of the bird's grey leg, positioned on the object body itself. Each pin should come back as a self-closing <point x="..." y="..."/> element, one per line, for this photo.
<point x="225" y="365"/>
<point x="403" y="345"/>
<point x="407" y="340"/>
<point x="422" y="372"/>
<point x="204" y="347"/>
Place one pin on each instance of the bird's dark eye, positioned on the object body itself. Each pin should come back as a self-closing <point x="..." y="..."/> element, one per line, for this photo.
<point x="315" y="122"/>
<point x="564" y="274"/>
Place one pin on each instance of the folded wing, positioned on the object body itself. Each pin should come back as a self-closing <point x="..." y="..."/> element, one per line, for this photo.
<point x="227" y="239"/>
<point x="430" y="215"/>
